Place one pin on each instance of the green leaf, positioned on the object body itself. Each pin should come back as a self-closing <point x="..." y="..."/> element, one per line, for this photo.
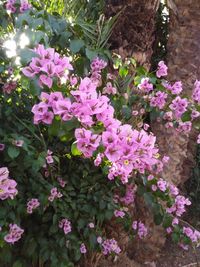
<point x="158" y="218"/>
<point x="13" y="152"/>
<point x="123" y="72"/>
<point x="91" y="54"/>
<point x="76" y="45"/>
<point x="175" y="237"/>
<point x="74" y="150"/>
<point x="186" y="116"/>
<point x="26" y="55"/>
<point x="126" y="111"/>
<point x="92" y="240"/>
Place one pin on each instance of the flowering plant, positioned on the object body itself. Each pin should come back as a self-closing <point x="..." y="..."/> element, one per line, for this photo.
<point x="74" y="138"/>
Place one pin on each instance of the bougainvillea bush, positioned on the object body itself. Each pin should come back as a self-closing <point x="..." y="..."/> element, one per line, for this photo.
<point x="76" y="147"/>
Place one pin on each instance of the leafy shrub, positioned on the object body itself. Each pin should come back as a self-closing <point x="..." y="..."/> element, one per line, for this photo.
<point x="74" y="140"/>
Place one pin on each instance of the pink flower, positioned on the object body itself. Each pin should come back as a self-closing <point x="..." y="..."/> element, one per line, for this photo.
<point x="29" y="72"/>
<point x="154" y="187"/>
<point x="175" y="221"/>
<point x="109" y="89"/>
<point x="62" y="182"/>
<point x="195" y="114"/>
<point x="62" y="108"/>
<point x="24" y="6"/>
<point x="130" y="195"/>
<point x="135" y="112"/>
<point x="45" y="80"/>
<point x="185" y="247"/>
<point x="32" y="204"/>
<point x="162" y="185"/>
<point x="54" y="194"/>
<point x="179" y="106"/>
<point x="99" y="239"/>
<point x="150" y="177"/>
<point x="10" y="6"/>
<point x="83" y="249"/>
<point x="47" y="117"/>
<point x="169" y="230"/>
<point x="49" y="157"/>
<point x="2" y="147"/>
<point x="196" y="92"/>
<point x="9" y="87"/>
<point x="140" y="228"/>
<point x="119" y="213"/>
<point x="109" y="246"/>
<point x="162" y="69"/>
<point x="146" y="126"/>
<point x="145" y="85"/>
<point x="176" y="88"/>
<point x="185" y="127"/>
<point x="65" y="224"/>
<point x="159" y="100"/>
<point x="73" y="81"/>
<point x="198" y="139"/>
<point x="91" y="225"/>
<point x="7" y="186"/>
<point x="98" y="159"/>
<point x="15" y="233"/>
<point x="18" y="143"/>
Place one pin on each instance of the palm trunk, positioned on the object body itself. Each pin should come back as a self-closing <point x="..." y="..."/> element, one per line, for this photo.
<point x="133" y="35"/>
<point x="184" y="65"/>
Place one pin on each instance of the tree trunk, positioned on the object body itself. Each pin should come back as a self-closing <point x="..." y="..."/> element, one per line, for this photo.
<point x="133" y="35"/>
<point x="184" y="65"/>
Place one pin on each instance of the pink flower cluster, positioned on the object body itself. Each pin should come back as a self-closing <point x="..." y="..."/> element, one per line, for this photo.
<point x="158" y="100"/>
<point x="196" y="92"/>
<point x="145" y="85"/>
<point x="109" y="89"/>
<point x="15" y="233"/>
<point x="125" y="148"/>
<point x="140" y="228"/>
<point x="47" y="65"/>
<point x="65" y="225"/>
<point x="32" y="204"/>
<point x="110" y="246"/>
<point x="162" y="69"/>
<point x="51" y="104"/>
<point x="97" y="66"/>
<point x="194" y="235"/>
<point x="24" y="5"/>
<point x="179" y="106"/>
<point x="176" y="88"/>
<point x="89" y="105"/>
<point x="87" y="142"/>
<point x="9" y="87"/>
<point x="178" y="208"/>
<point x="54" y="194"/>
<point x="130" y="195"/>
<point x="7" y="186"/>
<point x="185" y="127"/>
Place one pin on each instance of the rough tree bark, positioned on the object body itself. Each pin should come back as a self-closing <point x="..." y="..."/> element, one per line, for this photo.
<point x="133" y="35"/>
<point x="184" y="65"/>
